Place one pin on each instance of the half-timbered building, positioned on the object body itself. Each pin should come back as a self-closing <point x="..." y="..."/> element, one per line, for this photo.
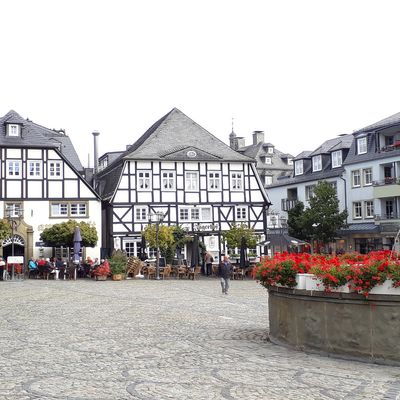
<point x="41" y="185"/>
<point x="180" y="169"/>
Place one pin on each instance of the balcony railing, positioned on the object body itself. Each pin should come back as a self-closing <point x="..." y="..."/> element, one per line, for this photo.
<point x="389" y="180"/>
<point x="384" y="217"/>
<point x="288" y="204"/>
<point x="391" y="147"/>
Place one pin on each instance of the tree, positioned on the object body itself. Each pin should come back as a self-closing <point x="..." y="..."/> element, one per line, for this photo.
<point x="234" y="236"/>
<point x="63" y="234"/>
<point x="321" y="220"/>
<point x="165" y="238"/>
<point x="5" y="229"/>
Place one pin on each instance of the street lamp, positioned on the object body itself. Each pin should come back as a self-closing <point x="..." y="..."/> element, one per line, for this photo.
<point x="157" y="218"/>
<point x="282" y="228"/>
<point x="13" y="215"/>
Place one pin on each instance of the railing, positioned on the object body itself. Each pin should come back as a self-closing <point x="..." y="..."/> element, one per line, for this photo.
<point x="288" y="204"/>
<point x="382" y="217"/>
<point x="389" y="180"/>
<point x="391" y="147"/>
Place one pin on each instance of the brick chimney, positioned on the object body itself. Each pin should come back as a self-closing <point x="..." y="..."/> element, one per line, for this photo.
<point x="258" y="137"/>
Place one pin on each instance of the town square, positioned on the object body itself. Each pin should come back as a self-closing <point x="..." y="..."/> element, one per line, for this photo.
<point x="168" y="339"/>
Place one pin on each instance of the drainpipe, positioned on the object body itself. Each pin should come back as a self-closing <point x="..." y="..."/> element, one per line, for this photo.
<point x="96" y="157"/>
<point x="345" y="196"/>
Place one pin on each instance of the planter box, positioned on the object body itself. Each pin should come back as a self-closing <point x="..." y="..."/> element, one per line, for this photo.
<point x="385" y="288"/>
<point x="314" y="283"/>
<point x="101" y="277"/>
<point x="117" y="277"/>
<point x="301" y="280"/>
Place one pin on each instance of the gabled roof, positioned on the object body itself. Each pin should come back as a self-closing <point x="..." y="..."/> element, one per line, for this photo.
<point x="383" y="123"/>
<point x="37" y="136"/>
<point x="176" y="128"/>
<point x="303" y="155"/>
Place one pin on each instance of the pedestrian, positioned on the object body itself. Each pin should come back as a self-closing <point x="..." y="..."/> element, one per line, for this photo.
<point x="2" y="268"/>
<point x="225" y="269"/>
<point x="208" y="259"/>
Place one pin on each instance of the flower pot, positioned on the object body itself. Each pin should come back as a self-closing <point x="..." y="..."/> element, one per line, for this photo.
<point x="342" y="289"/>
<point x="117" y="277"/>
<point x="385" y="288"/>
<point x="301" y="281"/>
<point x="314" y="283"/>
<point x="101" y="277"/>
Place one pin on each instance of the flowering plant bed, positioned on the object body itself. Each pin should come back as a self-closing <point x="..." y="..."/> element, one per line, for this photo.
<point x="360" y="272"/>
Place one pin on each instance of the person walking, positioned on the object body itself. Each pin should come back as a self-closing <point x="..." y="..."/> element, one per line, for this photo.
<point x="225" y="269"/>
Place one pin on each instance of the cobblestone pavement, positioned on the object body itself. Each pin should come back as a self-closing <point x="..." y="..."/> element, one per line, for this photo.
<point x="167" y="339"/>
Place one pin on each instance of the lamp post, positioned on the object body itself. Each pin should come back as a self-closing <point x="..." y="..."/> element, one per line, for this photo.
<point x="157" y="218"/>
<point x="13" y="215"/>
<point x="273" y="220"/>
<point x="282" y="228"/>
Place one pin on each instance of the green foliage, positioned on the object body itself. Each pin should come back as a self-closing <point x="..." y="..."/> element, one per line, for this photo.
<point x="234" y="236"/>
<point x="166" y="238"/>
<point x="321" y="219"/>
<point x="5" y="229"/>
<point x="118" y="261"/>
<point x="63" y="234"/>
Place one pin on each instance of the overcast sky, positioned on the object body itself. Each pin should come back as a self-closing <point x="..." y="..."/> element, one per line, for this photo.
<point x="302" y="71"/>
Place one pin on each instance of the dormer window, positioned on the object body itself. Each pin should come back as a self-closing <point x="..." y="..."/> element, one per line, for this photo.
<point x="336" y="158"/>
<point x="298" y="167"/>
<point x="362" y="145"/>
<point x="13" y="130"/>
<point x="290" y="161"/>
<point x="317" y="163"/>
<point x="268" y="160"/>
<point x="270" y="150"/>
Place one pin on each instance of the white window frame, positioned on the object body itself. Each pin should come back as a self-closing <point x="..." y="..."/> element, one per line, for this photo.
<point x="184" y="214"/>
<point x="13" y="210"/>
<point x="58" y="210"/>
<point x="144" y="183"/>
<point x="268" y="180"/>
<point x="367" y="172"/>
<point x="355" y="175"/>
<point x="141" y="214"/>
<point x="298" y="167"/>
<point x="369" y="208"/>
<point x="214" y="181"/>
<point x="362" y="145"/>
<point x="13" y="130"/>
<point x="168" y="181"/>
<point x="309" y="191"/>
<point x="55" y="169"/>
<point x="270" y="150"/>
<point x="357" y="210"/>
<point x="14" y="169"/>
<point x="317" y="163"/>
<point x="34" y="169"/>
<point x="337" y="160"/>
<point x="78" y="209"/>
<point x="237" y="181"/>
<point x="268" y="160"/>
<point x="203" y="217"/>
<point x="192" y="181"/>
<point x="195" y="214"/>
<point x="290" y="161"/>
<point x="241" y="213"/>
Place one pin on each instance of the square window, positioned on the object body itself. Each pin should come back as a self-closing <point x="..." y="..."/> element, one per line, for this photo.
<point x="184" y="214"/>
<point x="195" y="214"/>
<point x="141" y="214"/>
<point x="13" y="130"/>
<point x="241" y="213"/>
<point x="55" y="169"/>
<point x="34" y="169"/>
<point x="14" y="169"/>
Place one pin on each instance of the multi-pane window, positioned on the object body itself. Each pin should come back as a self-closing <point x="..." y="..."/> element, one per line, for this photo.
<point x="129" y="248"/>
<point x="357" y="210"/>
<point x="389" y="208"/>
<point x="236" y="181"/>
<point x="367" y="176"/>
<point x="298" y="167"/>
<point x="356" y="178"/>
<point x="78" y="209"/>
<point x="191" y="181"/>
<point x="336" y="158"/>
<point x="14" y="168"/>
<point x="68" y="209"/>
<point x="270" y="150"/>
<point x="59" y="209"/>
<point x="34" y="169"/>
<point x="13" y="130"/>
<point x="268" y="160"/>
<point x="369" y="209"/>
<point x="317" y="163"/>
<point x="55" y="169"/>
<point x="13" y="210"/>
<point x="195" y="214"/>
<point x="214" y="180"/>
<point x="168" y="180"/>
<point x="144" y="180"/>
<point x="206" y="213"/>
<point x="309" y="192"/>
<point x="362" y="145"/>
<point x="141" y="213"/>
<point x="184" y="214"/>
<point x="241" y="213"/>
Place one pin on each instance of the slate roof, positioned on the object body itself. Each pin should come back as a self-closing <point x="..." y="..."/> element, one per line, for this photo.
<point x="338" y="143"/>
<point x="170" y="138"/>
<point x="359" y="228"/>
<point x="36" y="136"/>
<point x="383" y="123"/>
<point x="302" y="155"/>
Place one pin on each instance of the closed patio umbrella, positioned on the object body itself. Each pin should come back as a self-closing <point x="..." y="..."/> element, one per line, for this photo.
<point x="143" y="254"/>
<point x="243" y="258"/>
<point x="77" y="246"/>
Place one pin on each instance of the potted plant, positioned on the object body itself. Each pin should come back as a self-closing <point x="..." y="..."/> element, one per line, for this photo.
<point x="118" y="263"/>
<point x="102" y="271"/>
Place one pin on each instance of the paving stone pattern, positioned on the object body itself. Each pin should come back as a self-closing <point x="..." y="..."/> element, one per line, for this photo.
<point x="171" y="339"/>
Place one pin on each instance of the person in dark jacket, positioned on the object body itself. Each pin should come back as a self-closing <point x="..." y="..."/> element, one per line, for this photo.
<point x="225" y="269"/>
